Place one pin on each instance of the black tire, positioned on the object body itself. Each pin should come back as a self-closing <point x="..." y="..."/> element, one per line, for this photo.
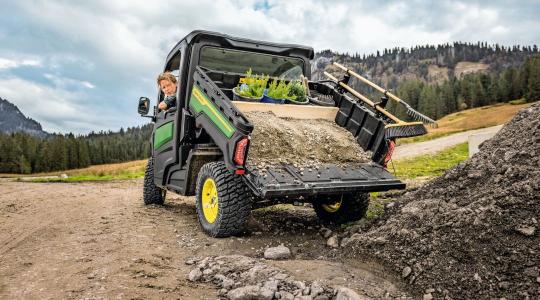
<point x="152" y="194"/>
<point x="234" y="200"/>
<point x="353" y="207"/>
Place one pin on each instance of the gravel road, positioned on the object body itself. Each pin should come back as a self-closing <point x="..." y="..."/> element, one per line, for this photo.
<point x="436" y="145"/>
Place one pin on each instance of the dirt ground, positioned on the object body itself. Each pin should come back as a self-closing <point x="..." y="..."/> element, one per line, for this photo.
<point x="98" y="241"/>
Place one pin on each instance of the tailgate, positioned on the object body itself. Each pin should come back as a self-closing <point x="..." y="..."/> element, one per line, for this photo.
<point x="290" y="181"/>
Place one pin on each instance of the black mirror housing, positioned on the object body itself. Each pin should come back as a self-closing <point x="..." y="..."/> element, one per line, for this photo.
<point x="144" y="106"/>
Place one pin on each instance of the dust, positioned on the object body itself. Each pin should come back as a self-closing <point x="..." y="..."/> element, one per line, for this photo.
<point x="278" y="140"/>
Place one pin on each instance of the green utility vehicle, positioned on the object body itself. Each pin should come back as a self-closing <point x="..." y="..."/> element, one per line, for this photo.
<point x="200" y="146"/>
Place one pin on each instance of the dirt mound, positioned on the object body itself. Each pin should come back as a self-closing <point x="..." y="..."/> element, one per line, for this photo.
<point x="472" y="233"/>
<point x="278" y="140"/>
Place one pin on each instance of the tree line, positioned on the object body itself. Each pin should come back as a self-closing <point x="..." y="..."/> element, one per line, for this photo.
<point x="398" y="61"/>
<point x="24" y="153"/>
<point x="471" y="90"/>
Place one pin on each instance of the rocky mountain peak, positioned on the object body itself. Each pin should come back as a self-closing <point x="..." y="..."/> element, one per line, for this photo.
<point x="13" y="120"/>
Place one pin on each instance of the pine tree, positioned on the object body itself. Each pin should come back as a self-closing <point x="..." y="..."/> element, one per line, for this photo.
<point x="533" y="82"/>
<point x="427" y="101"/>
<point x="448" y="100"/>
<point x="84" y="156"/>
<point x="478" y="94"/>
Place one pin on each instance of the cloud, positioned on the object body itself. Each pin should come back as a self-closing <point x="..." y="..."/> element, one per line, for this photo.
<point x="55" y="108"/>
<point x="100" y="56"/>
<point x="65" y="82"/>
<point x="6" y="63"/>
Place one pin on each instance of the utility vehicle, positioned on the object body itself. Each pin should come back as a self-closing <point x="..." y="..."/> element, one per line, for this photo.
<point x="200" y="146"/>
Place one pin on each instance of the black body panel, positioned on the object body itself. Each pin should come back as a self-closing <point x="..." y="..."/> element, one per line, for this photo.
<point x="289" y="181"/>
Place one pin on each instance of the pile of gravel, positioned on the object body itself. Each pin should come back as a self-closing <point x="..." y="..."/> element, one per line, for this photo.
<point x="474" y="232"/>
<point x="241" y="277"/>
<point x="301" y="142"/>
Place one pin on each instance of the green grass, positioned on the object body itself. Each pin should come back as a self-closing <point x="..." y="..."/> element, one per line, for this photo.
<point x="470" y="119"/>
<point x="518" y="101"/>
<point x="431" y="165"/>
<point x="376" y="207"/>
<point x="426" y="137"/>
<point x="92" y="177"/>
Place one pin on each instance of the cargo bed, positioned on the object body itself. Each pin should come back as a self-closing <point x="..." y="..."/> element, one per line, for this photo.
<point x="293" y="182"/>
<point x="288" y="181"/>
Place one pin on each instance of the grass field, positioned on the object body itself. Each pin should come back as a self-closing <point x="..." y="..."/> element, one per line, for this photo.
<point x="127" y="170"/>
<point x="470" y="119"/>
<point x="430" y="165"/>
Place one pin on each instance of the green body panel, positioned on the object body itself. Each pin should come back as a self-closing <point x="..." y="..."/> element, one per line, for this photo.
<point x="199" y="102"/>
<point x="163" y="134"/>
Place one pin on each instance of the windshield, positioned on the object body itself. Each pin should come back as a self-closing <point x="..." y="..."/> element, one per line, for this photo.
<point x="237" y="61"/>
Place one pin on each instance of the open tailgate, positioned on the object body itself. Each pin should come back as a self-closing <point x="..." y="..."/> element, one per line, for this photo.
<point x="290" y="181"/>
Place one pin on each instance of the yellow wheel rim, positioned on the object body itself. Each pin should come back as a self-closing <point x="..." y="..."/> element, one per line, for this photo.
<point x="332" y="208"/>
<point x="210" y="203"/>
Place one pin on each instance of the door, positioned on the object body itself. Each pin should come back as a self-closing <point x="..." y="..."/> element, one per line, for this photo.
<point x="165" y="135"/>
<point x="164" y="144"/>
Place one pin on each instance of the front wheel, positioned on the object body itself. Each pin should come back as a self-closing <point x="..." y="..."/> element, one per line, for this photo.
<point x="343" y="208"/>
<point x="152" y="194"/>
<point x="222" y="199"/>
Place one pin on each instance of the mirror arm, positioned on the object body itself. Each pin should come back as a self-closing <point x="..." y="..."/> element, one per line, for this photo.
<point x="149" y="116"/>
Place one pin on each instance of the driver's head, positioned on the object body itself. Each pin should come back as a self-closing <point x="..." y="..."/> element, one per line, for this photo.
<point x="167" y="83"/>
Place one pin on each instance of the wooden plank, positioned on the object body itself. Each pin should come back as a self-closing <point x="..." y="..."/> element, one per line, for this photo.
<point x="289" y="110"/>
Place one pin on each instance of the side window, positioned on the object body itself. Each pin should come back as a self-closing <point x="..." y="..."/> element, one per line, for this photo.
<point x="173" y="66"/>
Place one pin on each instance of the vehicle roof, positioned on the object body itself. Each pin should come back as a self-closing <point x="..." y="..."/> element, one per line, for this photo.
<point x="197" y="35"/>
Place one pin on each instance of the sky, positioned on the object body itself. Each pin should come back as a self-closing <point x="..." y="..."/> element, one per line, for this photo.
<point x="80" y="66"/>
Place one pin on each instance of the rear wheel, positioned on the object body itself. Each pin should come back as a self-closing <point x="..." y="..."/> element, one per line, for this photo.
<point x="223" y="201"/>
<point x="343" y="208"/>
<point x="152" y="194"/>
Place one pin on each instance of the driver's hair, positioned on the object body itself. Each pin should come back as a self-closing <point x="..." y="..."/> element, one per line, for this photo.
<point x="166" y="76"/>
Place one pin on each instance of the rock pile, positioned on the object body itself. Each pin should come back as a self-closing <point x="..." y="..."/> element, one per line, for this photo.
<point x="241" y="277"/>
<point x="474" y="232"/>
<point x="278" y="140"/>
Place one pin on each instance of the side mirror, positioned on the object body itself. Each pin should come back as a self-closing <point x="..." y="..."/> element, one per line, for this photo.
<point x="144" y="106"/>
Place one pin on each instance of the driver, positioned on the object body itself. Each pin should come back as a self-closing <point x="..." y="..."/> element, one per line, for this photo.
<point x="168" y="84"/>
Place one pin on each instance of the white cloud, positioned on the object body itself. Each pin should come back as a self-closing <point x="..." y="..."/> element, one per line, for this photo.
<point x="87" y="84"/>
<point x="68" y="83"/>
<point x="6" y="63"/>
<point x="55" y="108"/>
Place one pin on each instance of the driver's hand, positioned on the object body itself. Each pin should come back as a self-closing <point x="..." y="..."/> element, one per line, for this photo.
<point x="162" y="105"/>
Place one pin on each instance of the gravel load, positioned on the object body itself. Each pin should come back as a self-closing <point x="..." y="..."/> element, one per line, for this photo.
<point x="472" y="233"/>
<point x="302" y="142"/>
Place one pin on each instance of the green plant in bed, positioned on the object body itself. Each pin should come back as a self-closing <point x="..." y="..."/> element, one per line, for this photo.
<point x="253" y="86"/>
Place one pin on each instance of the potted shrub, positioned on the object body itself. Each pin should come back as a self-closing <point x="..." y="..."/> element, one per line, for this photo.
<point x="298" y="90"/>
<point x="281" y="92"/>
<point x="251" y="89"/>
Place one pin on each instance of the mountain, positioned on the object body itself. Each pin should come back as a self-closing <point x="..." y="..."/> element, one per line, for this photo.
<point x="13" y="120"/>
<point x="429" y="64"/>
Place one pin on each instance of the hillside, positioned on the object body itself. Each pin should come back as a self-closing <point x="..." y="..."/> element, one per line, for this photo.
<point x="429" y="64"/>
<point x="470" y="119"/>
<point x="13" y="120"/>
<point x="440" y="80"/>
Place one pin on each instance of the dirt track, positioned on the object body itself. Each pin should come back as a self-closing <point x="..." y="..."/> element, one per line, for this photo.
<point x="433" y="146"/>
<point x="97" y="240"/>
